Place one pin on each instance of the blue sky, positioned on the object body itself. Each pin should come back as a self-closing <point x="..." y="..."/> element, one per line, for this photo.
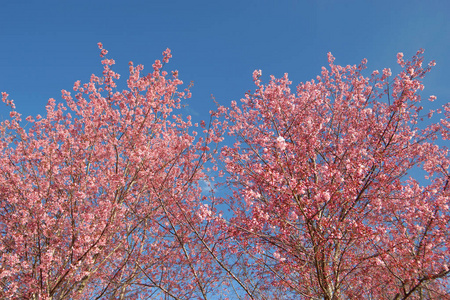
<point x="47" y="45"/>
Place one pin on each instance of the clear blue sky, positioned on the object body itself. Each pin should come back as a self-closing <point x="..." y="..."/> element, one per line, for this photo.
<point x="47" y="45"/>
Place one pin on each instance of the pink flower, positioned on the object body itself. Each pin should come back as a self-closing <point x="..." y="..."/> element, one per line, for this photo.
<point x="281" y="143"/>
<point x="278" y="257"/>
<point x="400" y="58"/>
<point x="167" y="55"/>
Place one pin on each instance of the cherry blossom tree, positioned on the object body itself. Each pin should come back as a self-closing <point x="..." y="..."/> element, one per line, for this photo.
<point x="341" y="187"/>
<point x="101" y="197"/>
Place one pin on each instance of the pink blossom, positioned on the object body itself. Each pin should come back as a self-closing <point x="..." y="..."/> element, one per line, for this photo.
<point x="281" y="143"/>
